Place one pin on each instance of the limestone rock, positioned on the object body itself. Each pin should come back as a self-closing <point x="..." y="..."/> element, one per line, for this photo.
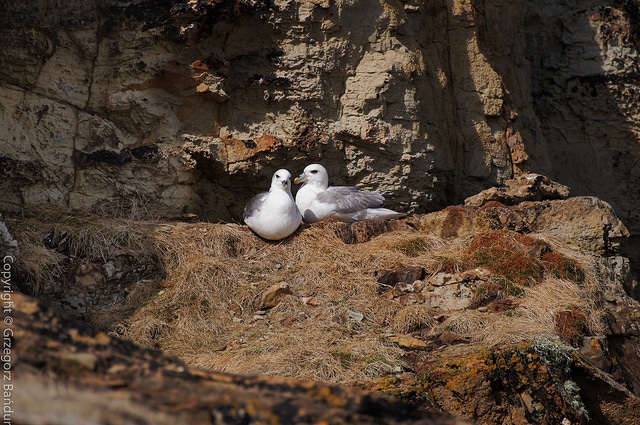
<point x="406" y="341"/>
<point x="274" y="294"/>
<point x="185" y="106"/>
<point x="526" y="372"/>
<point x="526" y="187"/>
<point x="8" y="245"/>
<point x="401" y="275"/>
<point x="451" y="292"/>
<point x="585" y="221"/>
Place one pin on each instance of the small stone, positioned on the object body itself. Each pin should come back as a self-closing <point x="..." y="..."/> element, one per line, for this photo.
<point x="527" y="400"/>
<point x="89" y="274"/>
<point x="102" y="338"/>
<point x="401" y="275"/>
<point x="442" y="279"/>
<point x="409" y="342"/>
<point x="109" y="269"/>
<point x="355" y="315"/>
<point x="309" y="301"/>
<point x="418" y="286"/>
<point x="23" y="303"/>
<point x="477" y="274"/>
<point x="340" y="318"/>
<point x="527" y="187"/>
<point x="85" y="360"/>
<point x="117" y="368"/>
<point x="275" y="294"/>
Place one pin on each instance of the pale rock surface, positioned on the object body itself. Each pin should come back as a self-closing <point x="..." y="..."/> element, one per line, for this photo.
<point x="273" y="295"/>
<point x="583" y="221"/>
<point x="8" y="245"/>
<point x="407" y="341"/>
<point x="186" y="106"/>
<point x="525" y="187"/>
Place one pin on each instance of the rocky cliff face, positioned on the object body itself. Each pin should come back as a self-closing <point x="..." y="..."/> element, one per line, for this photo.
<point x="181" y="106"/>
<point x="518" y="306"/>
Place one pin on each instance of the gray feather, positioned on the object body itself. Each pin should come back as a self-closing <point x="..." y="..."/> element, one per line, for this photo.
<point x="348" y="199"/>
<point x="254" y="205"/>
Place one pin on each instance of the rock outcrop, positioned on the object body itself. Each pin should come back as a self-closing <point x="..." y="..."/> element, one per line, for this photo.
<point x="106" y="380"/>
<point x="508" y="132"/>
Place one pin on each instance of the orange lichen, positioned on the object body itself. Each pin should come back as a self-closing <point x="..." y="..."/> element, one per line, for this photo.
<point x="239" y="150"/>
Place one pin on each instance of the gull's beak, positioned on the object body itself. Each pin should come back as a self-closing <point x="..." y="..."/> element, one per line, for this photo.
<point x="285" y="184"/>
<point x="302" y="178"/>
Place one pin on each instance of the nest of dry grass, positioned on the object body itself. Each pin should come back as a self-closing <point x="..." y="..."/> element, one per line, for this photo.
<point x="333" y="324"/>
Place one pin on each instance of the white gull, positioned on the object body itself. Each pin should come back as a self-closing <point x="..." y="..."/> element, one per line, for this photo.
<point x="317" y="201"/>
<point x="274" y="214"/>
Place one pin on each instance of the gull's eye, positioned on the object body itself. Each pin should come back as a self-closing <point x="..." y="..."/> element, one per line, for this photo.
<point x="277" y="176"/>
<point x="314" y="171"/>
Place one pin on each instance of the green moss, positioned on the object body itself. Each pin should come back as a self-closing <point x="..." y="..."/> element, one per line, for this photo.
<point x="515" y="261"/>
<point x="509" y="254"/>
<point x="376" y="359"/>
<point x="413" y="247"/>
<point x="561" y="267"/>
<point x="345" y="358"/>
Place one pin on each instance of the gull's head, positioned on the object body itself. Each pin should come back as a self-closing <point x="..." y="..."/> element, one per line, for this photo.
<point x="281" y="180"/>
<point x="314" y="174"/>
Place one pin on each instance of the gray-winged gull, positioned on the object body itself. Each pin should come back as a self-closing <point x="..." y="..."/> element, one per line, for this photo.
<point x="274" y="214"/>
<point x="317" y="201"/>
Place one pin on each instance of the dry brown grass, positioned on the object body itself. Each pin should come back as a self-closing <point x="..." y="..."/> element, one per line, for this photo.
<point x="207" y="309"/>
<point x="37" y="264"/>
<point x="539" y="304"/>
<point x="216" y="275"/>
<point x="412" y="318"/>
<point x="48" y="237"/>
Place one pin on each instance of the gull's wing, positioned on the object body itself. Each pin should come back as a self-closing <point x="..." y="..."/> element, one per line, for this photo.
<point x="254" y="205"/>
<point x="349" y="199"/>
